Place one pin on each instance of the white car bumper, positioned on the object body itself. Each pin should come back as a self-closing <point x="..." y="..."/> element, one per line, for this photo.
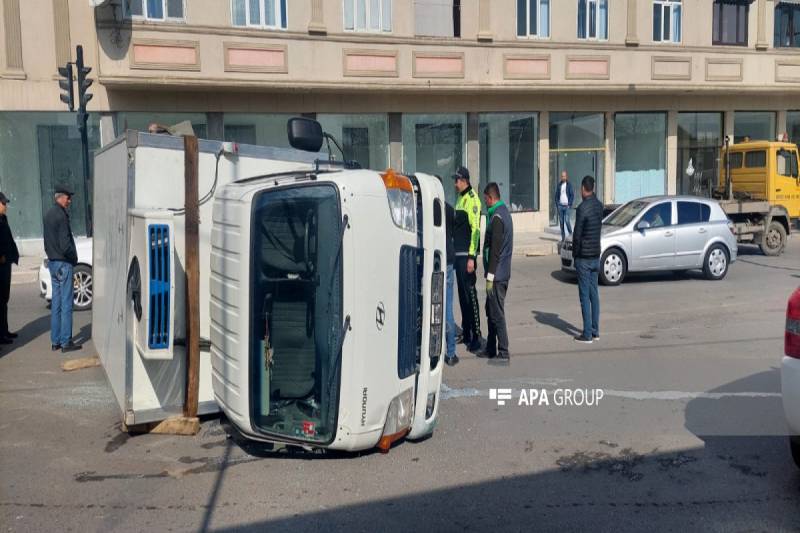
<point x="567" y="263"/>
<point x="790" y="391"/>
<point x="45" y="290"/>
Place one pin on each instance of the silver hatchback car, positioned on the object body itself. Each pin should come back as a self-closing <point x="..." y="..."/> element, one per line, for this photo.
<point x="663" y="233"/>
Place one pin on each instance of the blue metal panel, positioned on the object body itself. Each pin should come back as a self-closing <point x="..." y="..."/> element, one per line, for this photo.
<point x="159" y="286"/>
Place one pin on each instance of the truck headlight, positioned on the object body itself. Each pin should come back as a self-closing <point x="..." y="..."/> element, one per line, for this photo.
<point x="398" y="419"/>
<point x="400" y="194"/>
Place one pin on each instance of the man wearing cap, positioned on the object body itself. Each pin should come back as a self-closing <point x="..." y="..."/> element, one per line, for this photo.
<point x="62" y="256"/>
<point x="9" y="254"/>
<point x="466" y="241"/>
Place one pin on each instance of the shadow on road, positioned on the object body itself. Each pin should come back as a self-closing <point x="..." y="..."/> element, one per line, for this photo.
<point x="27" y="333"/>
<point x="555" y="321"/>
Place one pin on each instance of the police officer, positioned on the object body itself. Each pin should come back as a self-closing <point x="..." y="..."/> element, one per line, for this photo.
<point x="466" y="241"/>
<point x="9" y="254"/>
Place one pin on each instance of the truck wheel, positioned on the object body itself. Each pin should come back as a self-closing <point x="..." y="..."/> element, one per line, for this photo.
<point x="774" y="239"/>
<point x="716" y="264"/>
<point x="794" y="444"/>
<point x="613" y="267"/>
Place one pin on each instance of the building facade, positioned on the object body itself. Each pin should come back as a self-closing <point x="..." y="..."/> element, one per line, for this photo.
<point x="637" y="93"/>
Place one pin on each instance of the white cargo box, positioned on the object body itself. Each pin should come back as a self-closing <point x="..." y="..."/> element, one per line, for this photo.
<point x="139" y="320"/>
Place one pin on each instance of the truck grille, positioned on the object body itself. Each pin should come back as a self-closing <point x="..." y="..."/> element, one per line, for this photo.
<point x="159" y="284"/>
<point x="409" y="327"/>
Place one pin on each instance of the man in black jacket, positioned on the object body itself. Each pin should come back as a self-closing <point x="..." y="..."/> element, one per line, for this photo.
<point x="9" y="254"/>
<point x="62" y="256"/>
<point x="498" y="246"/>
<point x="451" y="358"/>
<point x="586" y="253"/>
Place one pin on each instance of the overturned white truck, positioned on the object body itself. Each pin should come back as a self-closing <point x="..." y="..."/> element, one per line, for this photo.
<point x="321" y="291"/>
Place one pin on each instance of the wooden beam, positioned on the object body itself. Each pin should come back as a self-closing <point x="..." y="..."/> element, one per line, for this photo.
<point x="192" y="219"/>
<point x="78" y="364"/>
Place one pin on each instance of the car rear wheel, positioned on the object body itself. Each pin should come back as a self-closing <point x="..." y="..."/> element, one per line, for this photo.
<point x="613" y="267"/>
<point x="774" y="239"/>
<point x="794" y="444"/>
<point x="82" y="288"/>
<point x="715" y="265"/>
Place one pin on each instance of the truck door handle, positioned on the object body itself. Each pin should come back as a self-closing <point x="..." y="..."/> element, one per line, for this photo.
<point x="667" y="234"/>
<point x="702" y="230"/>
<point x="777" y="190"/>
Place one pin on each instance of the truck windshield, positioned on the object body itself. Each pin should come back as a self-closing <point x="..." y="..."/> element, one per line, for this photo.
<point x="296" y="312"/>
<point x="623" y="216"/>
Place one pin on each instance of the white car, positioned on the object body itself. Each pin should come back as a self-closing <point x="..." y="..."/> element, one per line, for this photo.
<point x="790" y="374"/>
<point x="82" y="277"/>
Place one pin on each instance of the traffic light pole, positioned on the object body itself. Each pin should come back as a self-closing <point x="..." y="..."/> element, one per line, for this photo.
<point x="83" y="119"/>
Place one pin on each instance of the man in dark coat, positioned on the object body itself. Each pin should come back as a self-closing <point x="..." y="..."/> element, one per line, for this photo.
<point x="62" y="256"/>
<point x="586" y="252"/>
<point x="9" y="254"/>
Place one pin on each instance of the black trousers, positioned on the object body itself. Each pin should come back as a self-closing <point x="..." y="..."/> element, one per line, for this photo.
<point x="468" y="300"/>
<point x="497" y="340"/>
<point x="5" y="293"/>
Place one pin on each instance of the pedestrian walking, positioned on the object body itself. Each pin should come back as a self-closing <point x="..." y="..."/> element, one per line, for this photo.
<point x="498" y="245"/>
<point x="466" y="240"/>
<point x="564" y="197"/>
<point x="62" y="256"/>
<point x="9" y="255"/>
<point x="586" y="253"/>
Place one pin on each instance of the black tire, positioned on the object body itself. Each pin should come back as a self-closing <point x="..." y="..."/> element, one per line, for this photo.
<point x="83" y="288"/>
<point x="716" y="262"/>
<point x="794" y="445"/>
<point x="774" y="239"/>
<point x="613" y="267"/>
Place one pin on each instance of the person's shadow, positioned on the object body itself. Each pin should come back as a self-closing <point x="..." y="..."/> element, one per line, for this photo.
<point x="555" y="321"/>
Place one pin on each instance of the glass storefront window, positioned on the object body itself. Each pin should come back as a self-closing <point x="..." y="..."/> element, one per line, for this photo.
<point x="262" y="129"/>
<point x="753" y="125"/>
<point x="509" y="156"/>
<point x="793" y="126"/>
<point x="699" y="140"/>
<point x="577" y="146"/>
<point x="641" y="155"/>
<point x="436" y="144"/>
<point x="364" y="138"/>
<point x="38" y="152"/>
<point x="139" y="120"/>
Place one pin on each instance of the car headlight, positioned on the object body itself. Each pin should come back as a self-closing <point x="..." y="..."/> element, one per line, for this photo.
<point x="398" y="419"/>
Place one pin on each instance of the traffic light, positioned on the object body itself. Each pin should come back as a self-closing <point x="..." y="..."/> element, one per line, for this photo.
<point x="66" y="85"/>
<point x="83" y="82"/>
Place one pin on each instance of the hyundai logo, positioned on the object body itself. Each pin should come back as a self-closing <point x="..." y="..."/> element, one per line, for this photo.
<point x="380" y="316"/>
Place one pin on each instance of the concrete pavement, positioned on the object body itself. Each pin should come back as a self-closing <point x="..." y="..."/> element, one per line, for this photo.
<point x="689" y="434"/>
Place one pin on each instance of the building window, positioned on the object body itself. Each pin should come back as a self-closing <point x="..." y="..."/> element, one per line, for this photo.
<point x="793" y="127"/>
<point x="140" y="120"/>
<point x="435" y="144"/>
<point x="368" y="15"/>
<point x="155" y="9"/>
<point x="437" y="18"/>
<point x="533" y="18"/>
<point x="593" y="19"/>
<point x="509" y="156"/>
<point x="364" y="138"/>
<point x="787" y="25"/>
<point x="753" y="126"/>
<point x="699" y="140"/>
<point x="263" y="129"/>
<point x="667" y="21"/>
<point x="641" y="155"/>
<point x="259" y="13"/>
<point x="577" y="147"/>
<point x="729" y="22"/>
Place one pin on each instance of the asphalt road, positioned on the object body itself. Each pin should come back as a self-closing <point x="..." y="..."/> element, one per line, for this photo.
<point x="689" y="434"/>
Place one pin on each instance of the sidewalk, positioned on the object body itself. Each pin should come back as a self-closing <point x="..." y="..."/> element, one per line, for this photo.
<point x="27" y="271"/>
<point x="536" y="243"/>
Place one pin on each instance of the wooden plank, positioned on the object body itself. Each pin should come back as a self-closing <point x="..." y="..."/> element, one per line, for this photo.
<point x="192" y="276"/>
<point x="176" y="425"/>
<point x="80" y="363"/>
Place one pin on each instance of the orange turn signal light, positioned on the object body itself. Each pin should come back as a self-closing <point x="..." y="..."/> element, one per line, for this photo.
<point x="386" y="441"/>
<point x="393" y="180"/>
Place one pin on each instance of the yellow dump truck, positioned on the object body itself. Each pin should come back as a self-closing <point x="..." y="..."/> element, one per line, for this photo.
<point x="759" y="189"/>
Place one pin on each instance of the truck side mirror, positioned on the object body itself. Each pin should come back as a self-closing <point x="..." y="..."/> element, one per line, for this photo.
<point x="305" y="134"/>
<point x="642" y="225"/>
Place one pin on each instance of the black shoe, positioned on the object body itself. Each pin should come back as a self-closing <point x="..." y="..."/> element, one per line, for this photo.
<point x="500" y="360"/>
<point x="5" y="340"/>
<point x="70" y="347"/>
<point x="485" y="354"/>
<point x="583" y="340"/>
<point x="55" y="347"/>
<point x="10" y="335"/>
<point x="451" y="361"/>
<point x="595" y="337"/>
<point x="476" y="345"/>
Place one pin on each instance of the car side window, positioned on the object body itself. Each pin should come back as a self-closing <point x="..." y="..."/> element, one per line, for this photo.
<point x="659" y="215"/>
<point x="786" y="163"/>
<point x="693" y="212"/>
